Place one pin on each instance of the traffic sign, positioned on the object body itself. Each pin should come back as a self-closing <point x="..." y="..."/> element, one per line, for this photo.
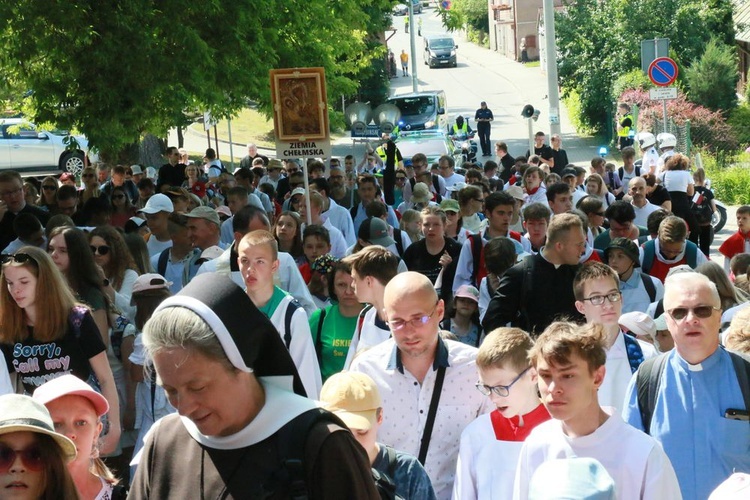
<point x="662" y="93"/>
<point x="663" y="71"/>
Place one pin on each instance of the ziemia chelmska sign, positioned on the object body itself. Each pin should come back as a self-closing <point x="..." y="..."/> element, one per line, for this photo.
<point x="300" y="113"/>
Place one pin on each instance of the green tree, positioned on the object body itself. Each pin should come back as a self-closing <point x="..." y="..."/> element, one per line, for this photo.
<point x="118" y="70"/>
<point x="712" y="79"/>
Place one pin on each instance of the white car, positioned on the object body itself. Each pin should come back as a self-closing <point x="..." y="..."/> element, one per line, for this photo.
<point x="24" y="147"/>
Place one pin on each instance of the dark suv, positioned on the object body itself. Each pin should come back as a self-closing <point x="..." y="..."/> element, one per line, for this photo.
<point x="440" y="50"/>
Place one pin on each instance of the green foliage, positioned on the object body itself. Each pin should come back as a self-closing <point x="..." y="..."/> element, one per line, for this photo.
<point x="572" y="103"/>
<point x="600" y="41"/>
<point x="474" y="13"/>
<point x="730" y="184"/>
<point x="712" y="79"/>
<point x="632" y="80"/>
<point x="118" y="70"/>
<point x="739" y="120"/>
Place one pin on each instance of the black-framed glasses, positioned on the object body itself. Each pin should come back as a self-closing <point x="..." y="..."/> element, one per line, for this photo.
<point x="399" y="324"/>
<point x="49" y="187"/>
<point x="5" y="194"/>
<point x="598" y="300"/>
<point x="501" y="390"/>
<point x="31" y="458"/>
<point x="18" y="258"/>
<point x="101" y="250"/>
<point x="703" y="312"/>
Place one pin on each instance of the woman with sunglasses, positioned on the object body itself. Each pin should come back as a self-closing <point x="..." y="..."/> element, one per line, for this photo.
<point x="76" y="412"/>
<point x="122" y="209"/>
<point x="45" y="332"/>
<point x="32" y="454"/>
<point x="111" y="253"/>
<point x="70" y="251"/>
<point x="90" y="185"/>
<point x="48" y="200"/>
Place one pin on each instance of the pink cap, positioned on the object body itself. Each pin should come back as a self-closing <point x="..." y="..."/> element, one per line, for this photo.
<point x="70" y="385"/>
<point x="468" y="292"/>
<point x="150" y="281"/>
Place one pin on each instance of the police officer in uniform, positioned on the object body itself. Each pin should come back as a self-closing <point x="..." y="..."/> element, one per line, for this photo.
<point x="461" y="128"/>
<point x="483" y="117"/>
<point x="624" y="126"/>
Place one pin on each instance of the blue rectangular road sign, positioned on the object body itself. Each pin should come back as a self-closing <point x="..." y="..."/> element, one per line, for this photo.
<point x="651" y="49"/>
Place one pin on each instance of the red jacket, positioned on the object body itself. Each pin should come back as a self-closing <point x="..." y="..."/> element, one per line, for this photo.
<point x="733" y="245"/>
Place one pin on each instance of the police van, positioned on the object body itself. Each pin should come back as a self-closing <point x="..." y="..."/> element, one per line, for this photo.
<point x="421" y="110"/>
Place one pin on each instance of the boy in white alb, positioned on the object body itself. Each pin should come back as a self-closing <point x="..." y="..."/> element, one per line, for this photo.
<point x="372" y="268"/>
<point x="569" y="361"/>
<point x="258" y="261"/>
<point x="598" y="297"/>
<point x="490" y="445"/>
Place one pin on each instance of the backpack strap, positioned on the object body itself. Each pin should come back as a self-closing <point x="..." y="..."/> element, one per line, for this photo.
<point x="476" y="254"/>
<point x="361" y="319"/>
<point x="318" y="335"/>
<point x="742" y="370"/>
<point x="526" y="287"/>
<point x="291" y="308"/>
<point x="648" y="379"/>
<point x="648" y="284"/>
<point x="621" y="172"/>
<point x="659" y="308"/>
<point x="436" y="185"/>
<point x="637" y="171"/>
<point x="291" y="446"/>
<point x="649" y="251"/>
<point x="399" y="241"/>
<point x="634" y="352"/>
<point x="390" y="454"/>
<point x="431" y="413"/>
<point x="353" y="211"/>
<point x="691" y="254"/>
<point x="161" y="265"/>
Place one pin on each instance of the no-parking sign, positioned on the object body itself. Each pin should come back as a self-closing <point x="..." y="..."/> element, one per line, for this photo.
<point x="663" y="71"/>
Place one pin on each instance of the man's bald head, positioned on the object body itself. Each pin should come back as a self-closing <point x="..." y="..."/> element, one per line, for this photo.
<point x="409" y="284"/>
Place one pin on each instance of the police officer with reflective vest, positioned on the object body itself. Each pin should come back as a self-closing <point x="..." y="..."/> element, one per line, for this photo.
<point x="624" y="126"/>
<point x="461" y="128"/>
<point x="381" y="151"/>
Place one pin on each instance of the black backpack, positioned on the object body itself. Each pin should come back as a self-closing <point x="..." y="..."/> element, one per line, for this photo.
<point x="291" y="446"/>
<point x="701" y="208"/>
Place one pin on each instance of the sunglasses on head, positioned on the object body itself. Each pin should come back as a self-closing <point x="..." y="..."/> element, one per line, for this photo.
<point x="102" y="250"/>
<point x="31" y="458"/>
<point x="703" y="312"/>
<point x="18" y="258"/>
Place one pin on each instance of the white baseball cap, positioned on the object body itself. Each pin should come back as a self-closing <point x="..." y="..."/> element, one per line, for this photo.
<point x="158" y="203"/>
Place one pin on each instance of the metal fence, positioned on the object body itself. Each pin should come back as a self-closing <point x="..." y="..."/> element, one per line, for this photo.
<point x="682" y="132"/>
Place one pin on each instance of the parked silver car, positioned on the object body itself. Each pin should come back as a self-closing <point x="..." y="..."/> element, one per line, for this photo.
<point x="24" y="147"/>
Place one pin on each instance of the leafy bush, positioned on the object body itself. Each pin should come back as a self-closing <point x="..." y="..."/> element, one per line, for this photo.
<point x="739" y="120"/>
<point x="731" y="184"/>
<point x="708" y="128"/>
<point x="712" y="79"/>
<point x="632" y="80"/>
<point x="573" y="104"/>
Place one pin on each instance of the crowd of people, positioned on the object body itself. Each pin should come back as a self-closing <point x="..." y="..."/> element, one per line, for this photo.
<point x="384" y="328"/>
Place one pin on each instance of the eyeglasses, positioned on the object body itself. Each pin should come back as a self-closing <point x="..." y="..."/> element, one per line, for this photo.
<point x="6" y="194"/>
<point x="501" y="390"/>
<point x="18" y="258"/>
<point x="49" y="188"/>
<point x="102" y="250"/>
<point x="598" y="300"/>
<point x="118" y="196"/>
<point x="31" y="458"/>
<point x="414" y="323"/>
<point x="703" y="312"/>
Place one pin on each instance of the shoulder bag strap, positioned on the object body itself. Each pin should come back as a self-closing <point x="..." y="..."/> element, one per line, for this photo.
<point x="742" y="370"/>
<point x="427" y="433"/>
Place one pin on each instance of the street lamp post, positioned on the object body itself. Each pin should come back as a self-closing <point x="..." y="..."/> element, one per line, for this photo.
<point x="550" y="45"/>
<point x="414" y="79"/>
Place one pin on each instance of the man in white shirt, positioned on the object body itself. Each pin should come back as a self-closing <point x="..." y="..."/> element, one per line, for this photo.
<point x="156" y="212"/>
<point x="570" y="363"/>
<point x="416" y="370"/>
<point x="598" y="298"/>
<point x="643" y="208"/>
<point x="447" y="171"/>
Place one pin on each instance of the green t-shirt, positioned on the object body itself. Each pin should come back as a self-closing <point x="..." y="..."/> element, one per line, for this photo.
<point x="336" y="336"/>
<point x="273" y="302"/>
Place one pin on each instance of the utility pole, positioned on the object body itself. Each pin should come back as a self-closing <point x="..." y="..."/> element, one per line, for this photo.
<point x="414" y="79"/>
<point x="550" y="45"/>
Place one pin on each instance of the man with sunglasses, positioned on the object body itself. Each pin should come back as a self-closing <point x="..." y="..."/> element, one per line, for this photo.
<point x="172" y="173"/>
<point x="416" y="371"/>
<point x="598" y="297"/>
<point x="694" y="399"/>
<point x="12" y="203"/>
